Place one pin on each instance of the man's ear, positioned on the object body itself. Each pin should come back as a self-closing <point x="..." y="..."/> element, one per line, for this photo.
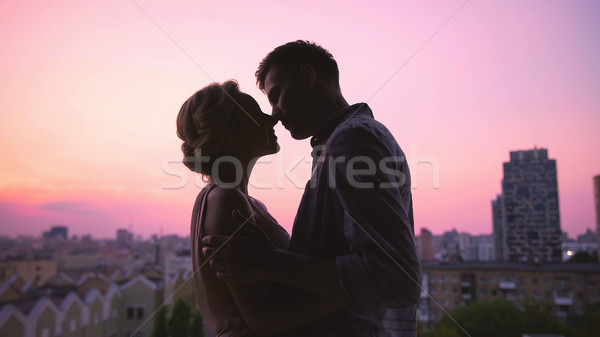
<point x="308" y="75"/>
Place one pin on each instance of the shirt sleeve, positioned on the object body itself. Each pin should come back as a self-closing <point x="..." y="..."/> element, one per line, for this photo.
<point x="370" y="177"/>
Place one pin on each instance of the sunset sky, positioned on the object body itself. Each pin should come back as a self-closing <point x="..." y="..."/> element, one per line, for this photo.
<point x="90" y="92"/>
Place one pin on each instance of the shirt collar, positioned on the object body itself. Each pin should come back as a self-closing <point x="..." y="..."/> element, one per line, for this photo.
<point x="326" y="128"/>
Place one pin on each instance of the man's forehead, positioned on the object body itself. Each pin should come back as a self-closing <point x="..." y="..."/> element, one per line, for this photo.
<point x="275" y="75"/>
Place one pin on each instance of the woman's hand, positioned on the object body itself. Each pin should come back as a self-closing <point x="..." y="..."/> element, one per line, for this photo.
<point x="241" y="258"/>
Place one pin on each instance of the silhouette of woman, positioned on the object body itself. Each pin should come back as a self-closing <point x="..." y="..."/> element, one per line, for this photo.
<point x="224" y="132"/>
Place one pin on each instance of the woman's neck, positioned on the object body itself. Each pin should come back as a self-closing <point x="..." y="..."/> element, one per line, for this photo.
<point x="233" y="174"/>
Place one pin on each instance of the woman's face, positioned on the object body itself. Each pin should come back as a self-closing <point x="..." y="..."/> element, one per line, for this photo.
<point x="253" y="136"/>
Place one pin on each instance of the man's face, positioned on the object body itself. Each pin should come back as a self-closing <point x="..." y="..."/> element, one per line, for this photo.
<point x="291" y="101"/>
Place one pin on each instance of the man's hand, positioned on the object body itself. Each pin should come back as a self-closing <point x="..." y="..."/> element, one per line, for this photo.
<point x="244" y="257"/>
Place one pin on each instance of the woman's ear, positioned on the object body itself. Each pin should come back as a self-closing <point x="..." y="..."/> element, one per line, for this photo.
<point x="308" y="75"/>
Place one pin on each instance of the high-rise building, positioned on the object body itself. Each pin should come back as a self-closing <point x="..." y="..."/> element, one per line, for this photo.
<point x="426" y="251"/>
<point x="597" y="198"/>
<point x="526" y="215"/>
<point x="56" y="232"/>
<point x="498" y="223"/>
<point x="124" y="237"/>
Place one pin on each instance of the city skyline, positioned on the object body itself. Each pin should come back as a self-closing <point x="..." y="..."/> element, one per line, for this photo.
<point x="91" y="91"/>
<point x="137" y="236"/>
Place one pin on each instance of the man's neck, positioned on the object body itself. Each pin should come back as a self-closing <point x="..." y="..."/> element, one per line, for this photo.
<point x="330" y="105"/>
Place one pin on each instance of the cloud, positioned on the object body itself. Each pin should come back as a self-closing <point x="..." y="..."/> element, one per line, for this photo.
<point x="79" y="207"/>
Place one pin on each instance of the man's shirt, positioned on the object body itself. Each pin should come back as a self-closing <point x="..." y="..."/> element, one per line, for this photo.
<point x="357" y="208"/>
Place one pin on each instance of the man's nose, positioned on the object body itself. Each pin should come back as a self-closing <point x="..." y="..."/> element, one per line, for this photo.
<point x="276" y="113"/>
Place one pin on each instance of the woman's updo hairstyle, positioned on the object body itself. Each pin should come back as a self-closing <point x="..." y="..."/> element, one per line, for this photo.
<point x="205" y="122"/>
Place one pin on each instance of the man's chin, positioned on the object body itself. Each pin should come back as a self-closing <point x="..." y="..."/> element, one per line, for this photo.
<point x="297" y="135"/>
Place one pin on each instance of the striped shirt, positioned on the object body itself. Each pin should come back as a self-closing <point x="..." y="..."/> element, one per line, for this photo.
<point x="357" y="208"/>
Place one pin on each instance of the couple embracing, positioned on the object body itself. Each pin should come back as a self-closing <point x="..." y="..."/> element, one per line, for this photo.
<point x="350" y="267"/>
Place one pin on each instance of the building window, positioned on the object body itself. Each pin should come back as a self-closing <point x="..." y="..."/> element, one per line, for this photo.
<point x="455" y="280"/>
<point x="522" y="293"/>
<point x="446" y="303"/>
<point x="494" y="280"/>
<point x="481" y="293"/>
<point x="561" y="282"/>
<point x="433" y="279"/>
<point x="536" y="295"/>
<point x="444" y="279"/>
<point x="433" y="291"/>
<point x="73" y="325"/>
<point x="547" y="281"/>
<point x="534" y="280"/>
<point x="444" y="290"/>
<point x="521" y="280"/>
<point x="455" y="291"/>
<point x="481" y="279"/>
<point x="548" y="295"/>
<point x="135" y="312"/>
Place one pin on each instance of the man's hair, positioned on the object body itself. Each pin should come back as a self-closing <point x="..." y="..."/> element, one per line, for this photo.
<point x="292" y="55"/>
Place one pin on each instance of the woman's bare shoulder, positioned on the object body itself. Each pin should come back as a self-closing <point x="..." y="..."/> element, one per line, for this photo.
<point x="220" y="203"/>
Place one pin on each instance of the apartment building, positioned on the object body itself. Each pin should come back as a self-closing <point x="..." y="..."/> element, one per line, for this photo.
<point x="94" y="305"/>
<point x="38" y="269"/>
<point x="569" y="287"/>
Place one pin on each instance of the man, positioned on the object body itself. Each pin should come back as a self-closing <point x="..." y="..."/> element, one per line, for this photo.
<point x="353" y="236"/>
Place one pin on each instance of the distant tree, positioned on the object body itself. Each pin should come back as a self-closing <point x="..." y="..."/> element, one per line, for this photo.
<point x="421" y="330"/>
<point x="585" y="325"/>
<point x="442" y="331"/>
<point x="500" y="318"/>
<point x="584" y="257"/>
<point x="197" y="329"/>
<point x="539" y="318"/>
<point x="179" y="323"/>
<point x="160" y="323"/>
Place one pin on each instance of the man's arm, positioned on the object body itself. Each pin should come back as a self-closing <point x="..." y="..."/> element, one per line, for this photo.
<point x="244" y="259"/>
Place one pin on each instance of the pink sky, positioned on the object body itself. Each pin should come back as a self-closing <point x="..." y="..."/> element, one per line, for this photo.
<point x="90" y="92"/>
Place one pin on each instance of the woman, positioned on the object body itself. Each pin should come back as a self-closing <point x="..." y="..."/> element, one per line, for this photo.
<point x="224" y="132"/>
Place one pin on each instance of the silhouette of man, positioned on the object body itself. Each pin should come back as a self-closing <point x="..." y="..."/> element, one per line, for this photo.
<point x="353" y="235"/>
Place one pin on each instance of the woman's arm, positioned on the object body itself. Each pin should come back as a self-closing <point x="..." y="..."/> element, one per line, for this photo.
<point x="267" y="307"/>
